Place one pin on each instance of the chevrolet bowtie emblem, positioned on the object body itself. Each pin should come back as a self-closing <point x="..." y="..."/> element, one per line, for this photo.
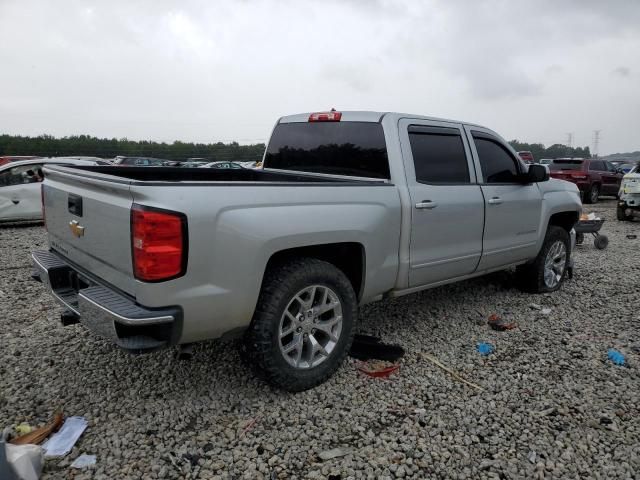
<point x="76" y="228"/>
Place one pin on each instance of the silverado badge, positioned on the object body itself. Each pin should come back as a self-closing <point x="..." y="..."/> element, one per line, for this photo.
<point x="76" y="228"/>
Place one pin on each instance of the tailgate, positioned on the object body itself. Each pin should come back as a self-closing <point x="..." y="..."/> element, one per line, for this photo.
<point x="88" y="219"/>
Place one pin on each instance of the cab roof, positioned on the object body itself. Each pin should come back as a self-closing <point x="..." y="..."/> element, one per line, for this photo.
<point x="369" y="116"/>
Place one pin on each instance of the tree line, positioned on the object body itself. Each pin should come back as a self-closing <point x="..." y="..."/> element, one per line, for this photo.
<point x="538" y="150"/>
<point x="49" y="146"/>
<point x="85" y="145"/>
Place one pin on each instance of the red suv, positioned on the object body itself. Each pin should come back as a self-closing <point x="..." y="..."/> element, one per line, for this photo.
<point x="592" y="176"/>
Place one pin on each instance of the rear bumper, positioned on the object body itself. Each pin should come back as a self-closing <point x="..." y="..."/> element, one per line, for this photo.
<point x="105" y="311"/>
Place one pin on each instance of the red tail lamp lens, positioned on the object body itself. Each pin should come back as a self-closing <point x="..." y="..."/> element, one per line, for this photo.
<point x="158" y="243"/>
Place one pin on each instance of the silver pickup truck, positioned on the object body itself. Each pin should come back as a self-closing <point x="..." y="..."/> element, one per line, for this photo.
<point x="349" y="208"/>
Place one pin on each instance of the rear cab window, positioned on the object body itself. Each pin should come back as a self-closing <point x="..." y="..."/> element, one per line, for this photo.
<point x="355" y="149"/>
<point x="568" y="164"/>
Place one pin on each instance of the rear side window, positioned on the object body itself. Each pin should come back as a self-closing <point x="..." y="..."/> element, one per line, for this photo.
<point x="356" y="149"/>
<point x="498" y="166"/>
<point x="438" y="155"/>
<point x="598" y="166"/>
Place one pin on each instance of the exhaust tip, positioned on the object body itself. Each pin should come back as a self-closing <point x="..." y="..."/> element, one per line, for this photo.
<point x="185" y="352"/>
<point x="69" y="318"/>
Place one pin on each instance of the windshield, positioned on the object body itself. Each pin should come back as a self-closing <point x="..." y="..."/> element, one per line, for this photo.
<point x="356" y="149"/>
<point x="566" y="165"/>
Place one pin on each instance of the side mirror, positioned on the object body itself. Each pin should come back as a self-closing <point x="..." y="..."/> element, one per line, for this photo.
<point x="536" y="173"/>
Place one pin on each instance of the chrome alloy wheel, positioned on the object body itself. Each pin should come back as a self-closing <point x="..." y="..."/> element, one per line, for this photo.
<point x="555" y="264"/>
<point x="310" y="327"/>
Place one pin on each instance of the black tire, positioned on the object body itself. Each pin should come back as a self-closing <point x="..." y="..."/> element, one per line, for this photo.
<point x="280" y="286"/>
<point x="621" y="213"/>
<point x="531" y="275"/>
<point x="592" y="195"/>
<point x="601" y="242"/>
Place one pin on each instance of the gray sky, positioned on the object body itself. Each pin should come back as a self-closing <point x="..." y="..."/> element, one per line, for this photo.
<point x="225" y="70"/>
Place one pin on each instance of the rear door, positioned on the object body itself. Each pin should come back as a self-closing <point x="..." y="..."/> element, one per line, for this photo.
<point x="512" y="209"/>
<point x="598" y="173"/>
<point x="610" y="179"/>
<point x="448" y="209"/>
<point x="20" y="193"/>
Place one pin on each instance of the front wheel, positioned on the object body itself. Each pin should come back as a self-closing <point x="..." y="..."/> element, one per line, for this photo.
<point x="303" y="326"/>
<point x="547" y="272"/>
<point x="621" y="213"/>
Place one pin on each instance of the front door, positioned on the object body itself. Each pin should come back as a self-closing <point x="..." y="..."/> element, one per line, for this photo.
<point x="512" y="209"/>
<point x="447" y="213"/>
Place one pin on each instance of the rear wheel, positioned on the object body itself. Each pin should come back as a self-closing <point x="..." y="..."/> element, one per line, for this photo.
<point x="592" y="195"/>
<point x="547" y="272"/>
<point x="303" y="326"/>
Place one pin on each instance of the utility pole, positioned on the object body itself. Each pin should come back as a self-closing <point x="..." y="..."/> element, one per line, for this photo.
<point x="596" y="142"/>
<point x="570" y="140"/>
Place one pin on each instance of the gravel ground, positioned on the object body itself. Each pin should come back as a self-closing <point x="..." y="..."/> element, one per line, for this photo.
<point x="553" y="406"/>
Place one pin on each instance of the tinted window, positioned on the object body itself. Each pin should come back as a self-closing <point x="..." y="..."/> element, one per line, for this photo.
<point x="597" y="165"/>
<point x="566" y="165"/>
<point x="498" y="166"/>
<point x="338" y="148"/>
<point x="438" y="157"/>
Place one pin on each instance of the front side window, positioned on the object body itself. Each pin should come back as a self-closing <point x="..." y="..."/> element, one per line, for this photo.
<point x="598" y="166"/>
<point x="498" y="165"/>
<point x="20" y="175"/>
<point x="356" y="149"/>
<point x="438" y="155"/>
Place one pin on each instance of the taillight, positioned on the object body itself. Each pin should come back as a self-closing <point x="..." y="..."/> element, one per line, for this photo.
<point x="158" y="243"/>
<point x="325" y="116"/>
<point x="44" y="219"/>
<point x="578" y="177"/>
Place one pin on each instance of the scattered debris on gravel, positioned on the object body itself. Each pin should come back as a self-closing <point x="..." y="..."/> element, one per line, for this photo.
<point x="552" y="404"/>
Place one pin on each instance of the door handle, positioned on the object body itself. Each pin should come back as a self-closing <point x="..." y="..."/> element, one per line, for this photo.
<point x="426" y="204"/>
<point x="495" y="201"/>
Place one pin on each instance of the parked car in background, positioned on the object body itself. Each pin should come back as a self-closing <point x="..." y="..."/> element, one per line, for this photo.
<point x="592" y="176"/>
<point x="15" y="158"/>
<point x="140" y="162"/>
<point x="625" y="167"/>
<point x="222" y="165"/>
<point x="350" y="208"/>
<point x="629" y="195"/>
<point x="20" y="187"/>
<point x="546" y="161"/>
<point x="526" y="156"/>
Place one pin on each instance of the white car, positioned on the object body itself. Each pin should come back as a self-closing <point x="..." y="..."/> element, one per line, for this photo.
<point x="20" y="187"/>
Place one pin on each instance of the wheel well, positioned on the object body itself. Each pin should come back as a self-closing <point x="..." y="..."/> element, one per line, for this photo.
<point x="565" y="220"/>
<point x="348" y="257"/>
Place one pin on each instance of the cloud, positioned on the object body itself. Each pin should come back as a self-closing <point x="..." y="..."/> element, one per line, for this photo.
<point x="621" y="71"/>
<point x="224" y="70"/>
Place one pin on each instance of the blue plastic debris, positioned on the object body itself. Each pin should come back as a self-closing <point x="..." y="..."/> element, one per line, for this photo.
<point x="485" y="349"/>
<point x="615" y="356"/>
